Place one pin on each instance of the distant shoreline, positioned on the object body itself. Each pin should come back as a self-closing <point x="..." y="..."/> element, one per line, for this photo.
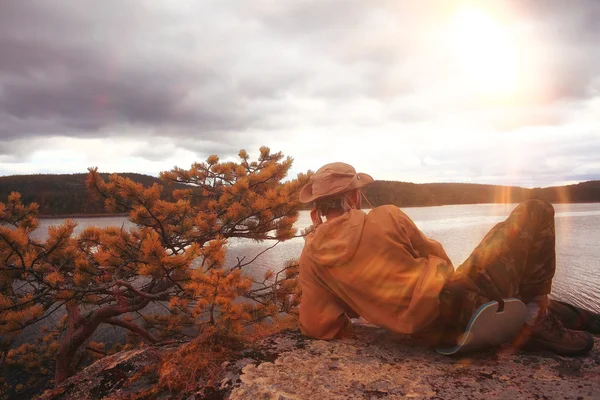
<point x="68" y="196"/>
<point x="470" y="204"/>
<point x="46" y="216"/>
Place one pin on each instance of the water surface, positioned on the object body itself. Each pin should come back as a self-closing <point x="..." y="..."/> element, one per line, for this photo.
<point x="459" y="228"/>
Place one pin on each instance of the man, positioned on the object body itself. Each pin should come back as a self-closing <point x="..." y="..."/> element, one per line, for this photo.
<point x="382" y="267"/>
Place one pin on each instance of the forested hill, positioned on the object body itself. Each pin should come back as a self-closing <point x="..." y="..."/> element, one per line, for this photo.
<point x="63" y="194"/>
<point x="68" y="194"/>
<point x="434" y="194"/>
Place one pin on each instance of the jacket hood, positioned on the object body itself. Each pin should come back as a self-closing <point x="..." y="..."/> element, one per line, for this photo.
<point x="336" y="241"/>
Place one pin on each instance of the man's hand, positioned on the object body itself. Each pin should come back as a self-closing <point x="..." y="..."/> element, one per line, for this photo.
<point x="460" y="285"/>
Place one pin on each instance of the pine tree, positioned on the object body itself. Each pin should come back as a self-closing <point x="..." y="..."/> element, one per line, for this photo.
<point x="173" y="257"/>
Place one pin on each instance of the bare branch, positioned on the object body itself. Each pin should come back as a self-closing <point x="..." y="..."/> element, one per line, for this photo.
<point x="149" y="296"/>
<point x="133" y="328"/>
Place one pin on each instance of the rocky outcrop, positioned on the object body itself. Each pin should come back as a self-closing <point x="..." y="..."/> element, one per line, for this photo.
<point x="109" y="376"/>
<point x="375" y="364"/>
<point x="372" y="364"/>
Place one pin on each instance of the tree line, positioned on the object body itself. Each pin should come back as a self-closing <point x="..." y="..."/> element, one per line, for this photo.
<point x="68" y="194"/>
<point x="405" y="194"/>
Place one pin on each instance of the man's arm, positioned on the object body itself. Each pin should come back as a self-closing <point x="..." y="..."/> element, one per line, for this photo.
<point x="322" y="315"/>
<point x="421" y="243"/>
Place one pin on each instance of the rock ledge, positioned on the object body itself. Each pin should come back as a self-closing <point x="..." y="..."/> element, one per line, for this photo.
<point x="372" y="364"/>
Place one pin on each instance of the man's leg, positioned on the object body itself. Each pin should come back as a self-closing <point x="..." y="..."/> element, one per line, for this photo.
<point x="518" y="256"/>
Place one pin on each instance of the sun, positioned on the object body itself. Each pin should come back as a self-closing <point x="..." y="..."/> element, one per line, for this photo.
<point x="485" y="52"/>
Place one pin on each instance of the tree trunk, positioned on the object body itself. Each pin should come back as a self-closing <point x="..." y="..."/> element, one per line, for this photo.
<point x="79" y="330"/>
<point x="63" y="366"/>
<point x="69" y="344"/>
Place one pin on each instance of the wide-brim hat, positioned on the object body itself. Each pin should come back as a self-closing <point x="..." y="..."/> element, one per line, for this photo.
<point x="332" y="179"/>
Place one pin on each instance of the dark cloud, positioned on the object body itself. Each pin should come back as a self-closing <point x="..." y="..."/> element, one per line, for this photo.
<point x="61" y="76"/>
<point x="213" y="77"/>
<point x="86" y="103"/>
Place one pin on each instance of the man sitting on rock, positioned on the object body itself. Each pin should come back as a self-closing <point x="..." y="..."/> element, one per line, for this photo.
<point x="382" y="267"/>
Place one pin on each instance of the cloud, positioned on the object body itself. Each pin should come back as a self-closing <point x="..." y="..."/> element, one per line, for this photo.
<point x="14" y="151"/>
<point x="156" y="150"/>
<point x="70" y="78"/>
<point x="355" y="80"/>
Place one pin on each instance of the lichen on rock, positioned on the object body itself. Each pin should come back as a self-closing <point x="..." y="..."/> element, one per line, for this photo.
<point x="376" y="364"/>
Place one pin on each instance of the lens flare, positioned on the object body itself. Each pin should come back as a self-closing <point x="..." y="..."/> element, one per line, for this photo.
<point x="485" y="51"/>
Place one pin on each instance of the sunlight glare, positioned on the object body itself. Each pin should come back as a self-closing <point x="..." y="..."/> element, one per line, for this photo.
<point x="486" y="53"/>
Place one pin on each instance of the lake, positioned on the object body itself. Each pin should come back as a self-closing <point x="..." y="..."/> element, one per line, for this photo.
<point x="459" y="228"/>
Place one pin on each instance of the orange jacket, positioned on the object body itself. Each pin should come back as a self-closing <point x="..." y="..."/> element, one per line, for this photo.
<point x="378" y="265"/>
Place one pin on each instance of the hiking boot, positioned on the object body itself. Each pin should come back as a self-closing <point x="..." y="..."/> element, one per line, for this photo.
<point x="573" y="317"/>
<point x="548" y="333"/>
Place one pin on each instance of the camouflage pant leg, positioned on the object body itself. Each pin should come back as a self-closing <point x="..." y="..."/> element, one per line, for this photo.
<point x="517" y="254"/>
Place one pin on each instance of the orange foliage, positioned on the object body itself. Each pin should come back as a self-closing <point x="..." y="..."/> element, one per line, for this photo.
<point x="174" y="257"/>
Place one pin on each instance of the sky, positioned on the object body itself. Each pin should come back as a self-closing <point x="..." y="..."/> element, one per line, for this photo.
<point x="500" y="92"/>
